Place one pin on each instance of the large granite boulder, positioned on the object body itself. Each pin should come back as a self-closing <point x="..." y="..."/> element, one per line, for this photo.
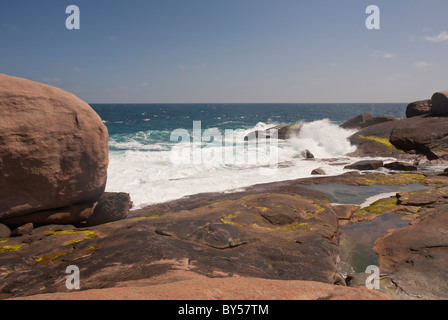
<point x="53" y="152"/>
<point x="374" y="141"/>
<point x="418" y="108"/>
<point x="423" y="135"/>
<point x="440" y="103"/>
<point x="404" y="138"/>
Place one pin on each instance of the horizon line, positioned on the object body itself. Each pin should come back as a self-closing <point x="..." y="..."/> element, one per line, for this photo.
<point x="188" y="103"/>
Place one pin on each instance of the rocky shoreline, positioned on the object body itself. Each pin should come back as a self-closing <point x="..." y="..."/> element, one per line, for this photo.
<point x="276" y="231"/>
<point x="271" y="241"/>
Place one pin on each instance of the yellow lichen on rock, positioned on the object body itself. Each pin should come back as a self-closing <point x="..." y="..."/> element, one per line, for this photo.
<point x="51" y="256"/>
<point x="302" y="227"/>
<point x="385" y="142"/>
<point x="228" y="220"/>
<point x="382" y="206"/>
<point x="11" y="248"/>
<point x="391" y="180"/>
<point x="87" y="233"/>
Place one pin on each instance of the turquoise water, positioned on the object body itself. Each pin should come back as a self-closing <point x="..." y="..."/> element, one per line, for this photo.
<point x="142" y="147"/>
<point x="125" y="121"/>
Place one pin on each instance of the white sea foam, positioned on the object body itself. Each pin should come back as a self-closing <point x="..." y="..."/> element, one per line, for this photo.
<point x="324" y="139"/>
<point x="145" y="170"/>
<point x="137" y="145"/>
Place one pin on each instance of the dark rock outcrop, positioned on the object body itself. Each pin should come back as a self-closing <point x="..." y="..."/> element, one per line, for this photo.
<point x="374" y="141"/>
<point x="356" y="122"/>
<point x="284" y="132"/>
<point x="318" y="171"/>
<point x="419" y="108"/>
<point x="111" y="207"/>
<point x="365" y="165"/>
<point x="440" y="104"/>
<point x="69" y="215"/>
<point x="400" y="166"/>
<point x="306" y="154"/>
<point x="365" y="120"/>
<point x="427" y="136"/>
<point x="53" y="150"/>
<point x="404" y="138"/>
<point x="23" y="230"/>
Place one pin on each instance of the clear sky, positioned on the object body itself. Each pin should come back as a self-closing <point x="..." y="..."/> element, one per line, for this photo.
<point x="224" y="51"/>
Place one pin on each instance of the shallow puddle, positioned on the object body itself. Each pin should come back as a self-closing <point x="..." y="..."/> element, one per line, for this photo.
<point x="357" y="195"/>
<point x="357" y="241"/>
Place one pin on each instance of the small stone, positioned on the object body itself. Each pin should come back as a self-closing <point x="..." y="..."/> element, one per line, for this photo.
<point x="23" y="230"/>
<point x="307" y="154"/>
<point x="318" y="171"/>
<point x="5" y="232"/>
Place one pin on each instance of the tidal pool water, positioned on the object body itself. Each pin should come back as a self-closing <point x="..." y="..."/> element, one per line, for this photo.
<point x="357" y="239"/>
<point x="357" y="195"/>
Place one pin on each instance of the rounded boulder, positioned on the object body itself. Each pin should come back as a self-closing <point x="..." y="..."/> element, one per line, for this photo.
<point x="440" y="104"/>
<point x="53" y="149"/>
<point x="418" y="108"/>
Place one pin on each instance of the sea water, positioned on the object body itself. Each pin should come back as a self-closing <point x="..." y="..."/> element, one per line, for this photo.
<point x="141" y="145"/>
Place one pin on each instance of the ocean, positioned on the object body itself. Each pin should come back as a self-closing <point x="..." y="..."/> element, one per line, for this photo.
<point x="143" y="147"/>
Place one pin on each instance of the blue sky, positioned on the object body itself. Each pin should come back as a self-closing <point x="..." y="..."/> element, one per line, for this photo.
<point x="203" y="51"/>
